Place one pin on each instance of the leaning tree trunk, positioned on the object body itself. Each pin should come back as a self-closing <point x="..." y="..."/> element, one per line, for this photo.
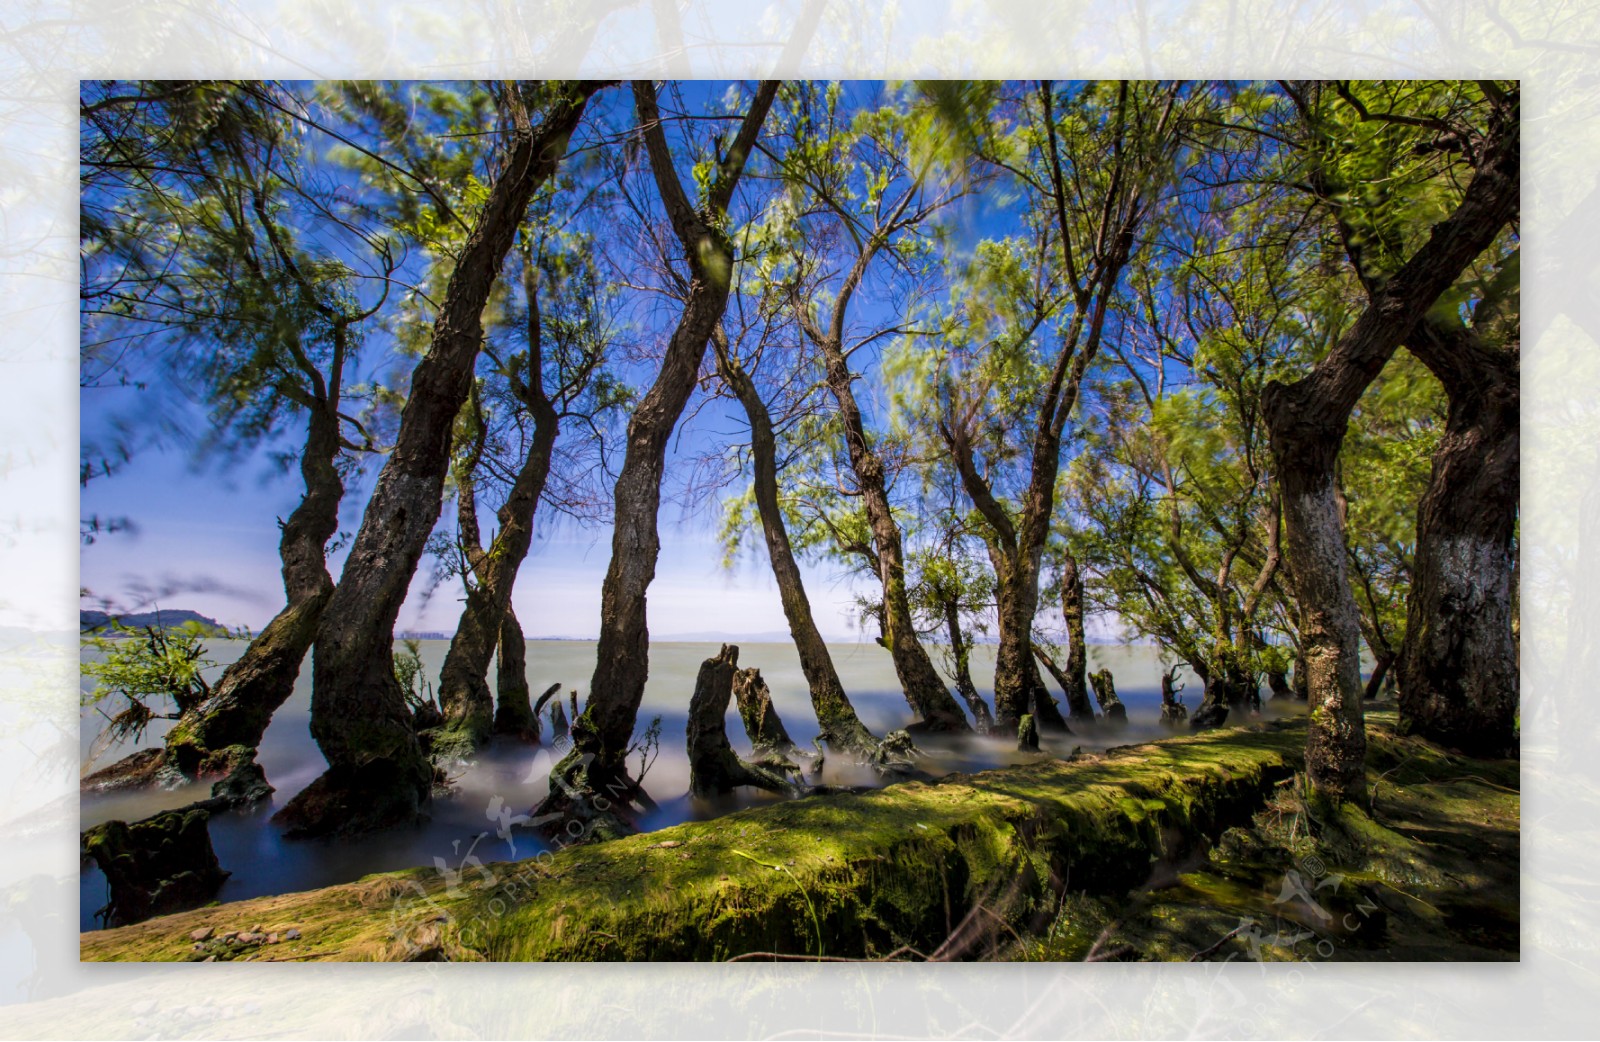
<point x="1041" y="704"/>
<point x="595" y="767"/>
<point x="377" y="774"/>
<point x="1307" y="420"/>
<point x="961" y="653"/>
<point x="1075" y="686"/>
<point x="513" y="712"/>
<point x="924" y="690"/>
<point x="1458" y="667"/>
<point x="841" y="729"/>
<point x="463" y="682"/>
<point x="252" y="688"/>
<point x="1380" y="672"/>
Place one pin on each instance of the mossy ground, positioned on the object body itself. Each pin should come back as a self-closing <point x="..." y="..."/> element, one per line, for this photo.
<point x="1028" y="862"/>
<point x="1431" y="873"/>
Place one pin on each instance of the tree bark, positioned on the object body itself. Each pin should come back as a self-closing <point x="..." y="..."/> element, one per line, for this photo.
<point x="842" y="729"/>
<point x="358" y="715"/>
<point x="769" y="739"/>
<point x="601" y="735"/>
<point x="1458" y="666"/>
<point x="1380" y="672"/>
<point x="924" y="690"/>
<point x="252" y="688"/>
<point x="1105" y="692"/>
<point x="1075" y="687"/>
<point x="961" y="652"/>
<point x="463" y="682"/>
<point x="714" y="769"/>
<point x="513" y="713"/>
<point x="1307" y="421"/>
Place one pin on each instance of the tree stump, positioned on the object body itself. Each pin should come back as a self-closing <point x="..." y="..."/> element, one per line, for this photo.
<point x="1173" y="711"/>
<point x="769" y="739"/>
<point x="714" y="769"/>
<point x="1027" y="734"/>
<point x="1105" y="692"/>
<point x="160" y="864"/>
<point x="559" y="728"/>
<point x="1278" y="684"/>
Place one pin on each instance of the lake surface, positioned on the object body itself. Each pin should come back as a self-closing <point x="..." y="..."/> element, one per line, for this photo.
<point x="510" y="777"/>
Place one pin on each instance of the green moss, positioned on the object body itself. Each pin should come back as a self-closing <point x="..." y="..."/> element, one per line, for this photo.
<point x="871" y="873"/>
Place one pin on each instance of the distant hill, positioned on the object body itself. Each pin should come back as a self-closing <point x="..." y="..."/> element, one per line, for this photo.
<point x="167" y="618"/>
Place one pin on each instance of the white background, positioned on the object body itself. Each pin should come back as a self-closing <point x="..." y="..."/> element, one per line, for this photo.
<point x="1554" y="47"/>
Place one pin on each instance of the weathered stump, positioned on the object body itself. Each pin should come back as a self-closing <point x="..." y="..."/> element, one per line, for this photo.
<point x="1173" y="711"/>
<point x="714" y="769"/>
<point x="559" y="728"/>
<point x="1278" y="684"/>
<point x="1105" y="692"/>
<point x="161" y="864"/>
<point x="1027" y="734"/>
<point x="769" y="739"/>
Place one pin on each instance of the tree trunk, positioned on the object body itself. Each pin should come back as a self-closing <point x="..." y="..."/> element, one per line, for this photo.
<point x="924" y="690"/>
<point x="463" y="682"/>
<point x="1380" y="672"/>
<point x="1307" y="421"/>
<point x="769" y="739"/>
<point x="841" y="729"/>
<point x="961" y="652"/>
<point x="252" y="688"/>
<point x="713" y="767"/>
<point x="358" y="715"/>
<point x="1458" y="667"/>
<point x="1105" y="692"/>
<point x="1016" y="603"/>
<point x="596" y="763"/>
<point x="1040" y="702"/>
<point x="1083" y="715"/>
<point x="513" y="713"/>
<point x="1075" y="686"/>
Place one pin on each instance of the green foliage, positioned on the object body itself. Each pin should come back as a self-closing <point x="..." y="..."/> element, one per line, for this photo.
<point x="157" y="673"/>
<point x="410" y="674"/>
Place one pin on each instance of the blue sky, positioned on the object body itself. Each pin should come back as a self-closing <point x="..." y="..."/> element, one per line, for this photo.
<point x="205" y="534"/>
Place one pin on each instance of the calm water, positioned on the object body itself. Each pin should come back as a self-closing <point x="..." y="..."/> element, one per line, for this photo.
<point x="511" y="777"/>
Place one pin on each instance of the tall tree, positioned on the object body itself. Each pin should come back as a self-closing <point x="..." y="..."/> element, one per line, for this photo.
<point x="205" y="227"/>
<point x="595" y="768"/>
<point x="1459" y="665"/>
<point x="1307" y="418"/>
<point x="841" y="728"/>
<point x="866" y="182"/>
<point x="550" y="381"/>
<point x="1095" y="161"/>
<point x="377" y="774"/>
